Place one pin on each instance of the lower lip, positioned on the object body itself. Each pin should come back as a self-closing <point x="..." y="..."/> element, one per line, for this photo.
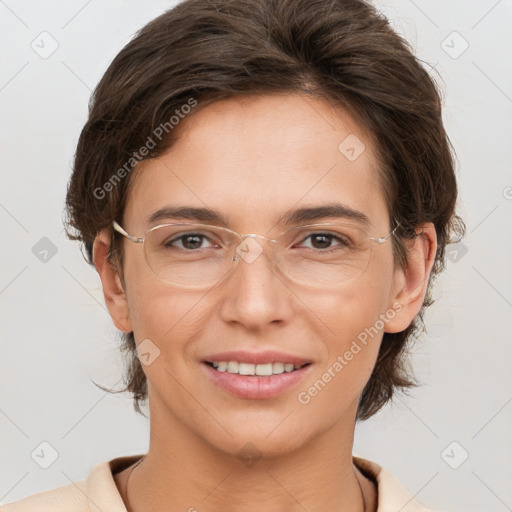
<point x="256" y="388"/>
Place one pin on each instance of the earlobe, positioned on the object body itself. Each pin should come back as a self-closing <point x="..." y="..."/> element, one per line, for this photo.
<point x="411" y="282"/>
<point x="113" y="292"/>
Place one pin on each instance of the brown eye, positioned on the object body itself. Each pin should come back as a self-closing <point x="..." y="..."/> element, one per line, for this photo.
<point x="190" y="241"/>
<point x="323" y="241"/>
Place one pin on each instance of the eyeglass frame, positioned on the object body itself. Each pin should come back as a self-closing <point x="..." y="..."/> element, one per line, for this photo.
<point x="242" y="236"/>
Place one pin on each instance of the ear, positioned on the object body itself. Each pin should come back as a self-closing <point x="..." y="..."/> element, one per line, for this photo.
<point x="410" y="283"/>
<point x="113" y="291"/>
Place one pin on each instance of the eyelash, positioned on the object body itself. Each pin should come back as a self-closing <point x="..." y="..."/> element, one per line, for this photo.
<point x="343" y="242"/>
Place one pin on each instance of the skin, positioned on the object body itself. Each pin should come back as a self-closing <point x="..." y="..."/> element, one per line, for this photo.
<point x="252" y="159"/>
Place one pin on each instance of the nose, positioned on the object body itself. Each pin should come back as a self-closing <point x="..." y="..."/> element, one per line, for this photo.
<point x="255" y="292"/>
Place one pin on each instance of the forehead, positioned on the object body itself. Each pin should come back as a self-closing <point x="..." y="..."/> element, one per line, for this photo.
<point x="252" y="158"/>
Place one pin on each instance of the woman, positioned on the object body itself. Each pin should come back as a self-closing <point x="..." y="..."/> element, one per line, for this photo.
<point x="266" y="190"/>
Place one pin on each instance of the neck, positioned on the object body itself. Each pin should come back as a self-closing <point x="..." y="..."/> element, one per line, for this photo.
<point x="192" y="475"/>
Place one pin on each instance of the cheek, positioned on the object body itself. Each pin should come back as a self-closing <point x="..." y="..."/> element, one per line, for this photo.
<point x="156" y="310"/>
<point x="333" y="391"/>
<point x="165" y="314"/>
<point x="350" y="328"/>
<point x="171" y="318"/>
<point x="345" y="313"/>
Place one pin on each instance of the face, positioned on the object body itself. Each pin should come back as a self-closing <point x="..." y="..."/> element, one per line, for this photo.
<point x="252" y="159"/>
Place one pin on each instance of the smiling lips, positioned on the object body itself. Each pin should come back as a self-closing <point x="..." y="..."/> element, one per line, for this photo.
<point x="256" y="375"/>
<point x="264" y="369"/>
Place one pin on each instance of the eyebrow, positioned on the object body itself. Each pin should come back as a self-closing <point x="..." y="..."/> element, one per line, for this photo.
<point x="290" y="217"/>
<point x="186" y="212"/>
<point x="334" y="210"/>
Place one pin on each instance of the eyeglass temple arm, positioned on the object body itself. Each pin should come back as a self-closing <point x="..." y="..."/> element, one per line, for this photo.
<point x="382" y="239"/>
<point x="119" y="229"/>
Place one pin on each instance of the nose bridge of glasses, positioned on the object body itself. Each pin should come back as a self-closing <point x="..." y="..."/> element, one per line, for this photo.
<point x="249" y="251"/>
<point x="253" y="235"/>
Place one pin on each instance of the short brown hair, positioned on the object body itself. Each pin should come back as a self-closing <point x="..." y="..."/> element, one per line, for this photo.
<point x="343" y="51"/>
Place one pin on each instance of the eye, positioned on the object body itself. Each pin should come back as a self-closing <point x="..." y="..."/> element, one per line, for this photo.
<point x="323" y="241"/>
<point x="189" y="241"/>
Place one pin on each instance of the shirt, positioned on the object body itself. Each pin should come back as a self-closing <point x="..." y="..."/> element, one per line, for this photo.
<point x="99" y="493"/>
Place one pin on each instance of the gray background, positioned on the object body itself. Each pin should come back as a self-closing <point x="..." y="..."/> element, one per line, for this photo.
<point x="57" y="334"/>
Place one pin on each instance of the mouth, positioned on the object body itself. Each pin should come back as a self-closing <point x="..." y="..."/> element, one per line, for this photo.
<point x="256" y="370"/>
<point x="256" y="381"/>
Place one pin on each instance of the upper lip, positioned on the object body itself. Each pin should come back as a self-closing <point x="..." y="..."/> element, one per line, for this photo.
<point x="267" y="356"/>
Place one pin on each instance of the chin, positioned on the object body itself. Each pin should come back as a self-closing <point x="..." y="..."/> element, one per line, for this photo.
<point x="252" y="441"/>
<point x="251" y="448"/>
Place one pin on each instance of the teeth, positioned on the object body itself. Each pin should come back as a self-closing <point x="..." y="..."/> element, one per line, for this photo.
<point x="278" y="368"/>
<point x="263" y="369"/>
<point x="222" y="366"/>
<point x="246" y="369"/>
<point x="232" y="367"/>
